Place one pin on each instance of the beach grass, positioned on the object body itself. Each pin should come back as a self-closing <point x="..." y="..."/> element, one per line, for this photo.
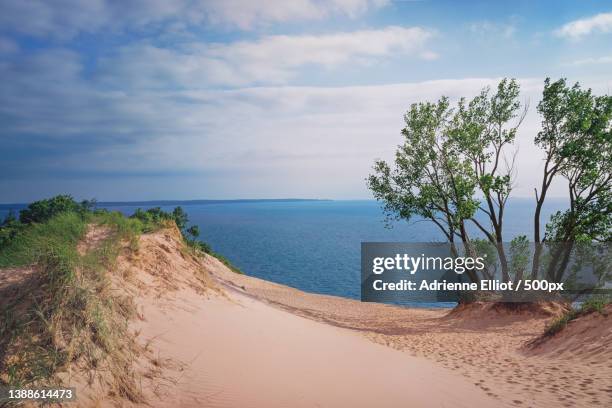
<point x="594" y="304"/>
<point x="66" y="312"/>
<point x="63" y="314"/>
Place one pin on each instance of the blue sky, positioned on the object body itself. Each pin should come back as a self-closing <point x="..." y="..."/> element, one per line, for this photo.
<point x="190" y="99"/>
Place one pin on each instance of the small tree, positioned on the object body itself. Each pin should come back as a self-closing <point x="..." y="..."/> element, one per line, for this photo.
<point x="448" y="157"/>
<point x="577" y="141"/>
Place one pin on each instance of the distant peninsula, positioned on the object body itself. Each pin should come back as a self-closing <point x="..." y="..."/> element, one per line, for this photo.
<point x="161" y="203"/>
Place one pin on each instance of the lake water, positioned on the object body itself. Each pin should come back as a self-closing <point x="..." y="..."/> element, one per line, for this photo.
<point x="312" y="245"/>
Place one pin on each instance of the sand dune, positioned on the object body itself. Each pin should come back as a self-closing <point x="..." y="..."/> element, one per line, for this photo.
<point x="243" y="353"/>
<point x="588" y="337"/>
<point x="213" y="338"/>
<point x="484" y="345"/>
<point x="224" y="348"/>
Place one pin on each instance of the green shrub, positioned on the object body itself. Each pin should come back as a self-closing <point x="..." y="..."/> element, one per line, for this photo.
<point x="9" y="228"/>
<point x="43" y="210"/>
<point x="560" y="322"/>
<point x="594" y="304"/>
<point x="34" y="241"/>
<point x="155" y="218"/>
<point x="180" y="218"/>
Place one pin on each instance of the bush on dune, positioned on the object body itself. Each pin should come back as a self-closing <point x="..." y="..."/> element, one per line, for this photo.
<point x="154" y="218"/>
<point x="43" y="210"/>
<point x="595" y="304"/>
<point x="32" y="242"/>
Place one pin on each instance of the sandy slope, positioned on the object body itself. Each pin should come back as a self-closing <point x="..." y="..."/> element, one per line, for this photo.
<point x="486" y="347"/>
<point x="228" y="349"/>
<point x="243" y="353"/>
<point x="214" y="338"/>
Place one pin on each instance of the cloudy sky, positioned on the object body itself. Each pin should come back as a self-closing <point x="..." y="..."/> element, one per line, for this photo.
<point x="138" y="100"/>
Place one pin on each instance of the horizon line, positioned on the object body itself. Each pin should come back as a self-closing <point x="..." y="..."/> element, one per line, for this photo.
<point x="163" y="202"/>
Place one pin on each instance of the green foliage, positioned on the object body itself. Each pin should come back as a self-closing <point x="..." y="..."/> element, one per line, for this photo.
<point x="453" y="165"/>
<point x="47" y="222"/>
<point x="201" y="246"/>
<point x="449" y="159"/>
<point x="594" y="304"/>
<point x="577" y="136"/>
<point x="155" y="218"/>
<point x="520" y="252"/>
<point x="43" y="210"/>
<point x="180" y="218"/>
<point x="152" y="219"/>
<point x="447" y="156"/>
<point x="32" y="242"/>
<point x="9" y="228"/>
<point x="485" y="249"/>
<point x="429" y="179"/>
<point x="193" y="231"/>
<point x="560" y="322"/>
<point x="66" y="311"/>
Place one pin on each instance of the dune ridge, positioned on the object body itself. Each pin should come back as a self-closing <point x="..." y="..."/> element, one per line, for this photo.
<point x="210" y="337"/>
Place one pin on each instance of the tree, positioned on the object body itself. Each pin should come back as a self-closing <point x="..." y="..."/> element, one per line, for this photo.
<point x="577" y="141"/>
<point x="448" y="157"/>
<point x="482" y="132"/>
<point x="456" y="165"/>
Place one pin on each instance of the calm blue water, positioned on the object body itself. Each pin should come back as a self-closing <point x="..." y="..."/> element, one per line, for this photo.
<point x="313" y="245"/>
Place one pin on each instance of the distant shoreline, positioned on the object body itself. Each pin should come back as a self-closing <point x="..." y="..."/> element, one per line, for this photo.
<point x="149" y="203"/>
<point x="185" y="202"/>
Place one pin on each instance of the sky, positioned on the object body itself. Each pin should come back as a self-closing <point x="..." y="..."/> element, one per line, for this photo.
<point x="223" y="99"/>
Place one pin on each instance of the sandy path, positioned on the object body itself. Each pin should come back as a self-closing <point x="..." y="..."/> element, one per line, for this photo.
<point x="256" y="343"/>
<point x="240" y="352"/>
<point x="487" y="349"/>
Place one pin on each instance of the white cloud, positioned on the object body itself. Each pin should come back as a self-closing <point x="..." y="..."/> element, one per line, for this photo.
<point x="579" y="28"/>
<point x="247" y="14"/>
<point x="592" y="61"/>
<point x="269" y="60"/>
<point x="64" y="19"/>
<point x="251" y="142"/>
<point x="488" y="29"/>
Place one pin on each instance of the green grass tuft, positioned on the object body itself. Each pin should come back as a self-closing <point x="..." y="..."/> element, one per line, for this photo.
<point x="66" y="312"/>
<point x="59" y="235"/>
<point x="594" y="304"/>
<point x="560" y="323"/>
<point x="203" y="247"/>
